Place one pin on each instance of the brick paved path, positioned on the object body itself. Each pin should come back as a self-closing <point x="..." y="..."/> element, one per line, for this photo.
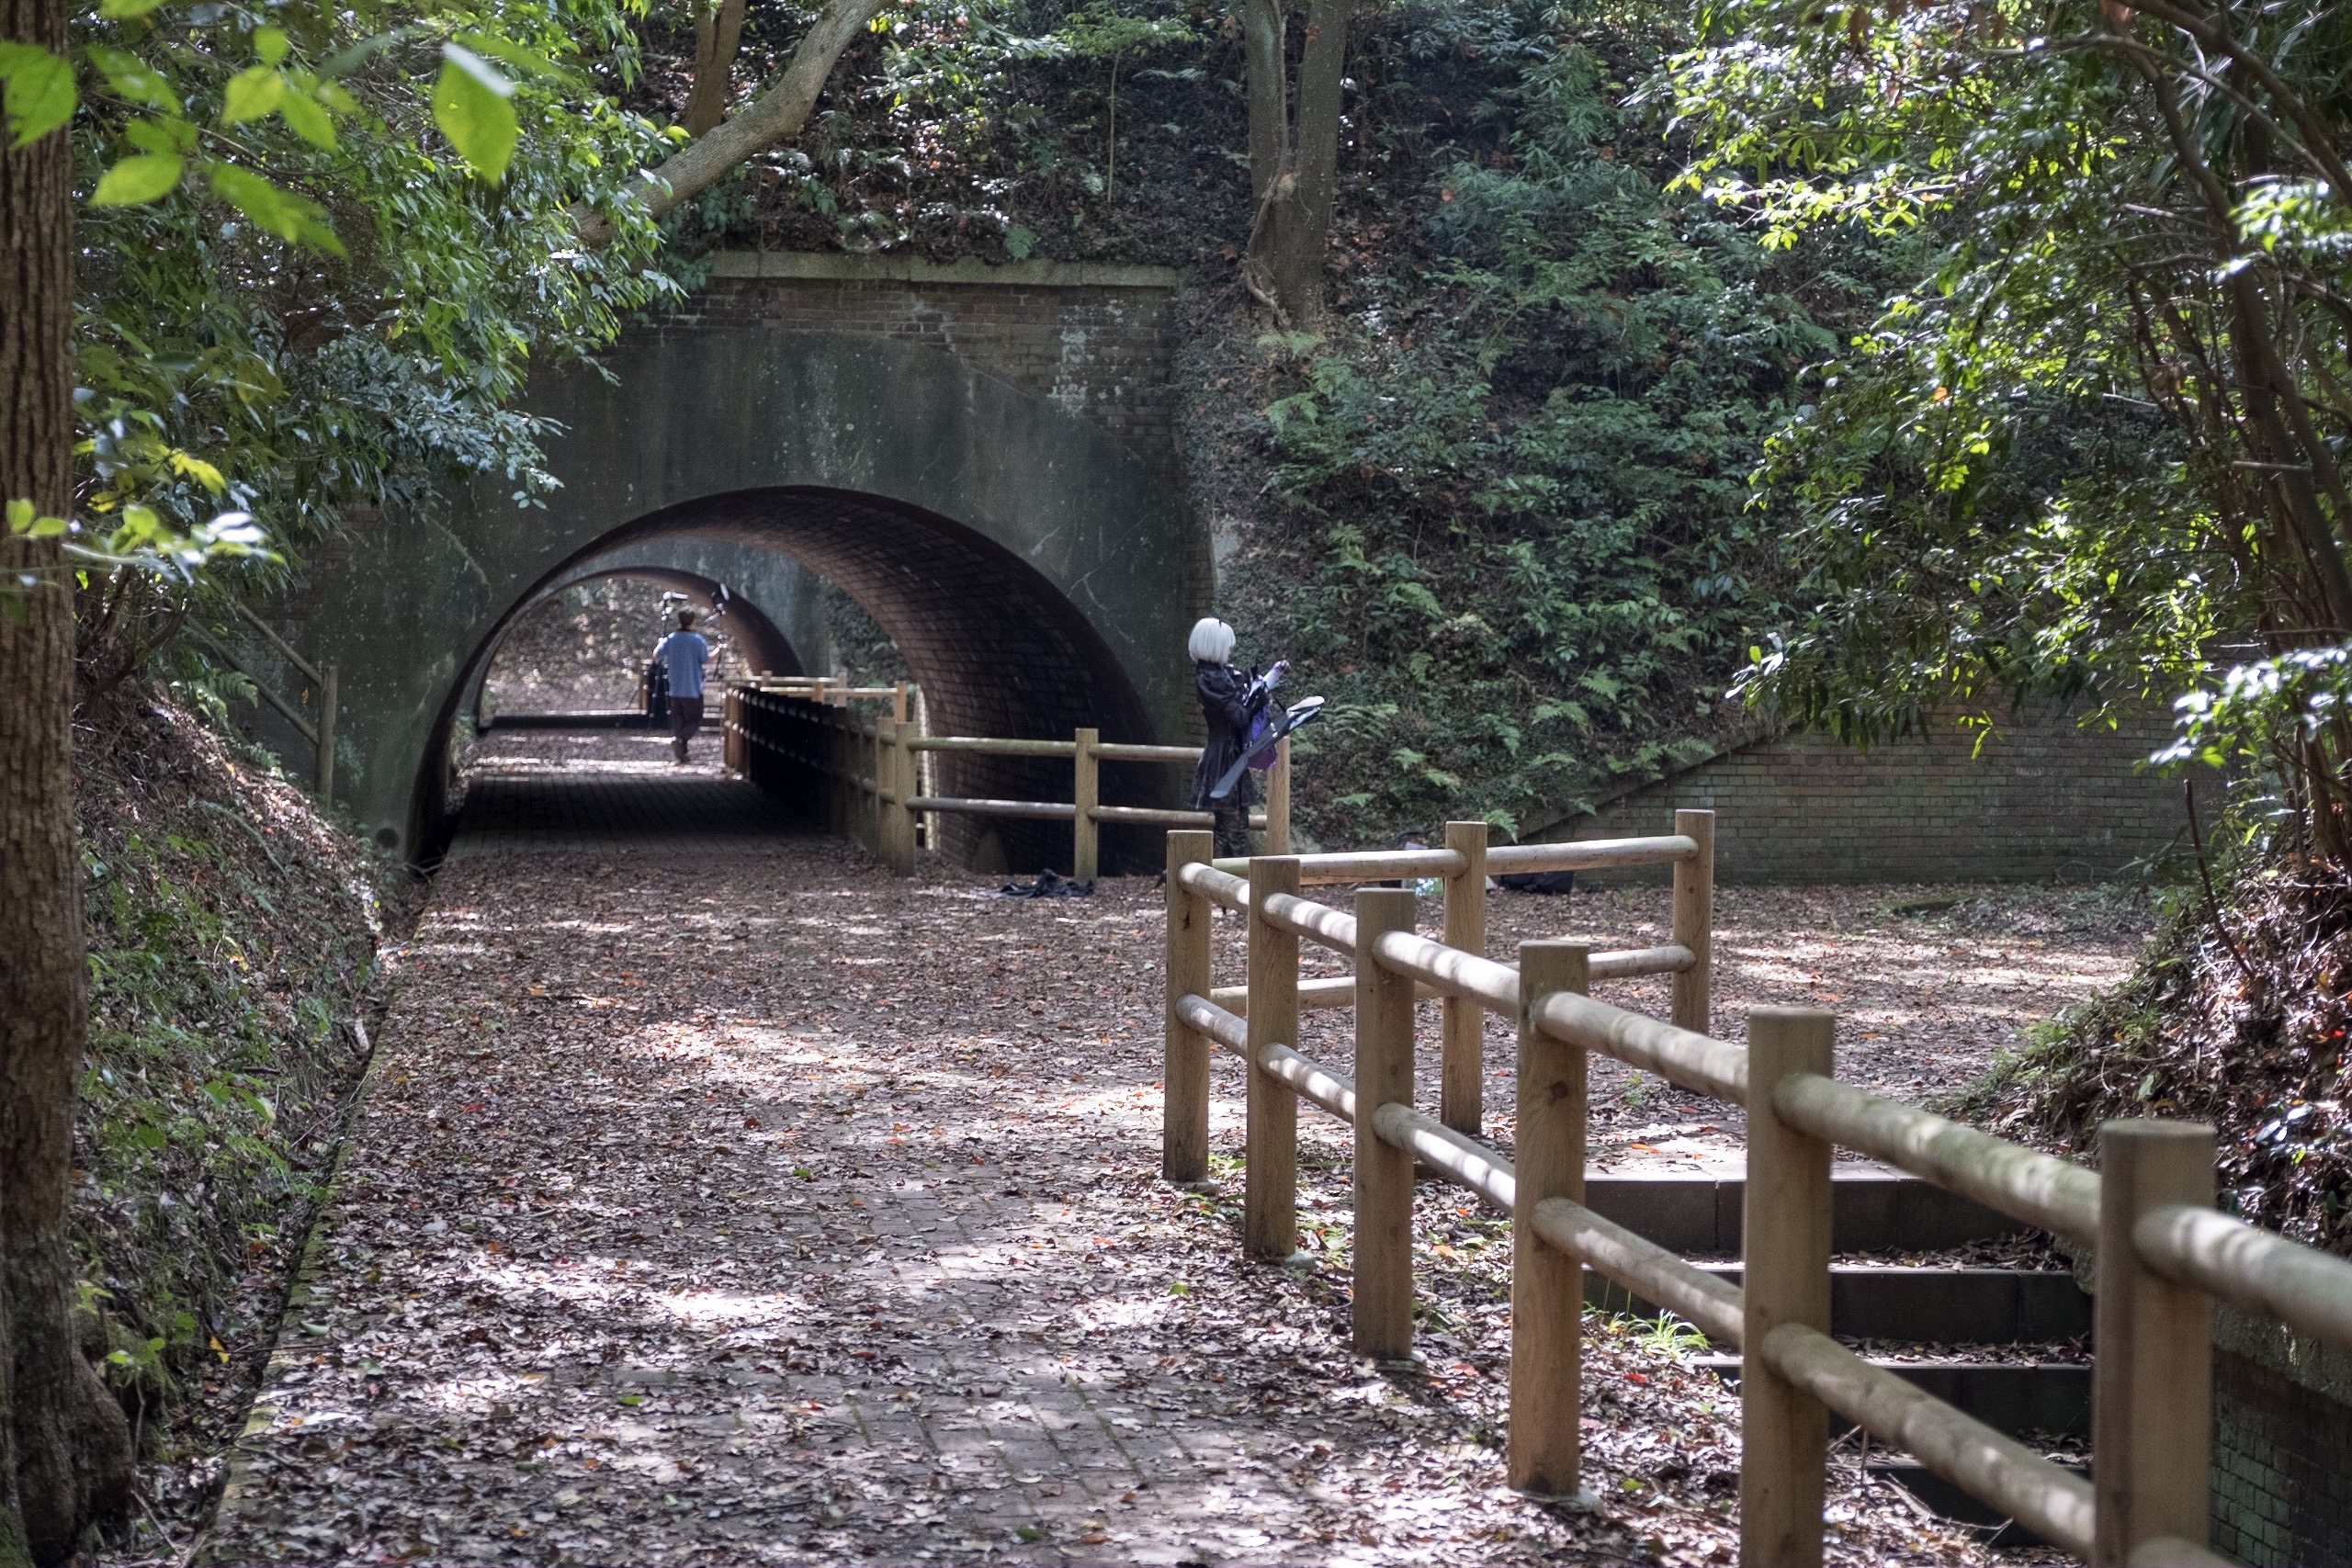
<point x="735" y="1202"/>
<point x="756" y="1207"/>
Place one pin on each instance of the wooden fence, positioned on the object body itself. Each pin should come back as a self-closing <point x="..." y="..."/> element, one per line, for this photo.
<point x="324" y="680"/>
<point x="2162" y="1252"/>
<point x="876" y="786"/>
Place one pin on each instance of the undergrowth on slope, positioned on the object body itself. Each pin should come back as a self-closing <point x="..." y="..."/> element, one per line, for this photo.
<point x="2241" y="1022"/>
<point x="233" y="934"/>
<point x="1513" y="541"/>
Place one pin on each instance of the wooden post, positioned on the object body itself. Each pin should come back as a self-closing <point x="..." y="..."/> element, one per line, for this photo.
<point x="1383" y="1184"/>
<point x="926" y="774"/>
<point x="1270" y="1191"/>
<point x="327" y="682"/>
<point x="2152" y="1385"/>
<point x="1461" y="1088"/>
<point x="1694" y="921"/>
<point x="1278" y="800"/>
<point x="1546" y="1284"/>
<point x="898" y="703"/>
<point x="892" y="786"/>
<point x="1784" y="1444"/>
<point x="1085" y="833"/>
<point x="1184" y="1068"/>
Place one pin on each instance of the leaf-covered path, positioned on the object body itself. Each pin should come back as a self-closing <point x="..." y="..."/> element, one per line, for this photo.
<point x="755" y="1207"/>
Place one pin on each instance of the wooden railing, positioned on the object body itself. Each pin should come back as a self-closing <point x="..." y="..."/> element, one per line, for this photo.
<point x="1464" y="865"/>
<point x="2163" y="1252"/>
<point x="322" y="679"/>
<point x="877" y="789"/>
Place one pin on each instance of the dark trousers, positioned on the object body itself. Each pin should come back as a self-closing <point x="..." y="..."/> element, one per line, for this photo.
<point x="685" y="718"/>
<point x="1232" y="833"/>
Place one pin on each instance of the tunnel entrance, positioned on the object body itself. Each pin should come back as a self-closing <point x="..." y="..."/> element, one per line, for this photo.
<point x="577" y="657"/>
<point x="1037" y="571"/>
<point x="997" y="649"/>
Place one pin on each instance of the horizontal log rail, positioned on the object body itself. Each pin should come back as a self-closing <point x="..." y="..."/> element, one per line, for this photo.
<point x="2254" y="1270"/>
<point x="2049" y="1193"/>
<point x="2164" y="1253"/>
<point x="1989" y="1465"/>
<point x="875" y="773"/>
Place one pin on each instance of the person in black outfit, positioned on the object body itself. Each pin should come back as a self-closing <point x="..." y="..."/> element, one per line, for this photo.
<point x="1227" y="707"/>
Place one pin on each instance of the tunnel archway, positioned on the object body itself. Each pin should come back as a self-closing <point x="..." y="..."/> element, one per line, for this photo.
<point x="997" y="648"/>
<point x="1038" y="572"/>
<point x="763" y="644"/>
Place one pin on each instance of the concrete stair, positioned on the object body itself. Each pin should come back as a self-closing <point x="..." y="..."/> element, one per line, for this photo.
<point x="1910" y="1319"/>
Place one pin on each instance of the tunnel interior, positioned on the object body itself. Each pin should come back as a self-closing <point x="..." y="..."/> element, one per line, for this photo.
<point x="998" y="649"/>
<point x="763" y="645"/>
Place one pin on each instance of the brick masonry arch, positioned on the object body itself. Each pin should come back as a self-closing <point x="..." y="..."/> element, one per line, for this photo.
<point x="1033" y="558"/>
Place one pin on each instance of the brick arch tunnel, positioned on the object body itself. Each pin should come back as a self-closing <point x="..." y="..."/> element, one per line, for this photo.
<point x="753" y="629"/>
<point x="1039" y="569"/>
<point x="997" y="648"/>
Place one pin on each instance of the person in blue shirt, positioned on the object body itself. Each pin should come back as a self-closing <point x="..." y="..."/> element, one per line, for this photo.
<point x="684" y="654"/>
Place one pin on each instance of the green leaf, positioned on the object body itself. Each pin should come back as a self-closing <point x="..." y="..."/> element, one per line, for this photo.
<point x="270" y="43"/>
<point x="133" y="79"/>
<point x="40" y="91"/>
<point x="125" y="10"/>
<point x="252" y="93"/>
<point x="293" y="218"/>
<point x="470" y="106"/>
<point x="161" y="135"/>
<point x="21" y="519"/>
<point x="306" y="119"/>
<point x="529" y="60"/>
<point x="143" y="176"/>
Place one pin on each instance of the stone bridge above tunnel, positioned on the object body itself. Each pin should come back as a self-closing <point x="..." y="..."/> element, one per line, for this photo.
<point x="983" y="457"/>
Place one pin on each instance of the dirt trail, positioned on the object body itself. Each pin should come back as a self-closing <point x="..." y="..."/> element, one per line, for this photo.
<point x="755" y="1207"/>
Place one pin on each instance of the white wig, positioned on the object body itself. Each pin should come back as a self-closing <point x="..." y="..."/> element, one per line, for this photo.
<point x="1212" y="641"/>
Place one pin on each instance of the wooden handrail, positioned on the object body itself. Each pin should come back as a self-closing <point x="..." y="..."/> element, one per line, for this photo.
<point x="892" y="786"/>
<point x="2146" y="1213"/>
<point x="1706" y="1301"/>
<point x="992" y="747"/>
<point x="1678" y="1056"/>
<point x="1987" y="1465"/>
<point x="1117" y="751"/>
<point x="1590" y="855"/>
<point x="2254" y="1270"/>
<point x="2049" y="1193"/>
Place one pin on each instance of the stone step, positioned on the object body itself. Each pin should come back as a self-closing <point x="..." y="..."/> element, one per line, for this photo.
<point x="1875" y="1210"/>
<point x="1949" y="1502"/>
<point x="1924" y="1306"/>
<point x="2016" y="1397"/>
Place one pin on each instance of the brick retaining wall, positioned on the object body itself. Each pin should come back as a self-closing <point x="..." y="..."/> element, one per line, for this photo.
<point x="2282" y="1467"/>
<point x="2045" y="799"/>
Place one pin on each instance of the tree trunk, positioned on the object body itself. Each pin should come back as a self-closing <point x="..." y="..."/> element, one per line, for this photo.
<point x="1284" y="266"/>
<point x="72" y="1448"/>
<point x="1265" y="45"/>
<point x="716" y="37"/>
<point x="775" y="116"/>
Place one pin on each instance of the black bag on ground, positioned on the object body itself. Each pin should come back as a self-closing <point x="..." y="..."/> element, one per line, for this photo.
<point x="1050" y="884"/>
<point x="1561" y="882"/>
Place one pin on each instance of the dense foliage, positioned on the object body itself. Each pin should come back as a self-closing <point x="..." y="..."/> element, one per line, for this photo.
<point x="1518" y="554"/>
<point x="320" y="252"/>
<point x="2093" y="443"/>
